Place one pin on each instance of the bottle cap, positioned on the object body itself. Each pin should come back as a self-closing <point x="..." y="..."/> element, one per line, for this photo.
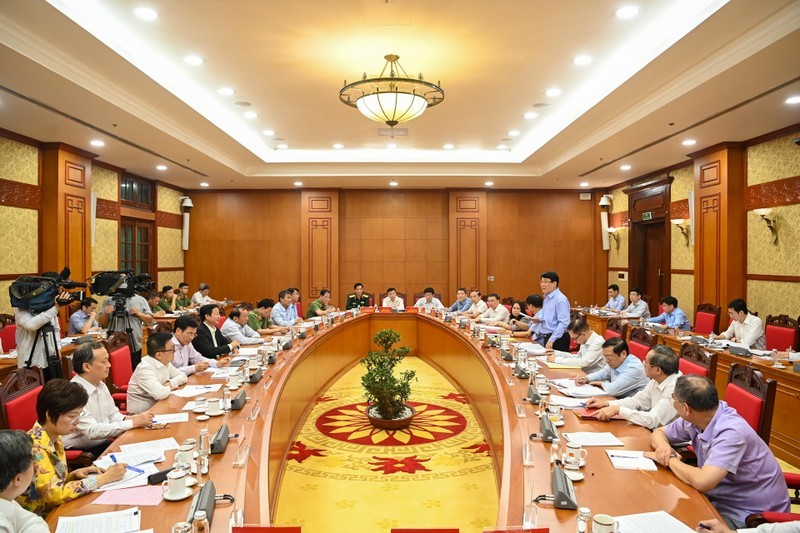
<point x="199" y="515"/>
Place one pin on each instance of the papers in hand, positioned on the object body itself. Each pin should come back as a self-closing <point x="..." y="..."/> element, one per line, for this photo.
<point x="588" y="438"/>
<point x="655" y="522"/>
<point x="631" y="460"/>
<point x="127" y="521"/>
<point x="135" y="476"/>
<point x="134" y="458"/>
<point x="196" y="390"/>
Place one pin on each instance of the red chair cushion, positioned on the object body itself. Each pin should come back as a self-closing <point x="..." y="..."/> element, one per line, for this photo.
<point x="221" y="321"/>
<point x="772" y="517"/>
<point x="21" y="412"/>
<point x="778" y="338"/>
<point x="704" y="323"/>
<point x="792" y="480"/>
<point x="8" y="336"/>
<point x="507" y="307"/>
<point x="121" y="367"/>
<point x="638" y="349"/>
<point x="72" y="454"/>
<point x="746" y="404"/>
<point x="688" y="367"/>
<point x="610" y="333"/>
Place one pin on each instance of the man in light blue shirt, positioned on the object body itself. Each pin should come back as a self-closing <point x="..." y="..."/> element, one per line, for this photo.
<point x="638" y="307"/>
<point x="624" y="376"/>
<point x="285" y="313"/>
<point x="83" y="320"/>
<point x="673" y="316"/>
<point x="236" y="328"/>
<point x="555" y="314"/>
<point x="462" y="303"/>
<point x="616" y="301"/>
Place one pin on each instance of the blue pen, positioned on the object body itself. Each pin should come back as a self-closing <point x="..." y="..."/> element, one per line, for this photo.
<point x="131" y="468"/>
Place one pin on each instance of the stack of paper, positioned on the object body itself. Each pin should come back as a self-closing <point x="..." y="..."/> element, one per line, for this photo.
<point x="655" y="522"/>
<point x="566" y="403"/>
<point x="531" y="348"/>
<point x="631" y="460"/>
<point x="196" y="390"/>
<point x="140" y="464"/>
<point x="127" y="521"/>
<point x="582" y="391"/>
<point x="162" y="445"/>
<point x="590" y="438"/>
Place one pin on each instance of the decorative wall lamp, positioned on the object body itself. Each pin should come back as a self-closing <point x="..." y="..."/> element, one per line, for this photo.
<point x="770" y="222"/>
<point x="686" y="230"/>
<point x="612" y="233"/>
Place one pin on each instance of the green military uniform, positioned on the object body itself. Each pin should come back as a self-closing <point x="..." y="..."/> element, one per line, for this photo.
<point x="155" y="308"/>
<point x="315" y="306"/>
<point x="165" y="305"/>
<point x="183" y="302"/>
<point x="354" y="301"/>
<point x="255" y="321"/>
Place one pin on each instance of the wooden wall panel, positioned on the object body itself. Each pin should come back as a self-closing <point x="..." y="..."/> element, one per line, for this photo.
<point x="76" y="232"/>
<point x="709" y="267"/>
<point x="468" y="244"/>
<point x="319" y="244"/>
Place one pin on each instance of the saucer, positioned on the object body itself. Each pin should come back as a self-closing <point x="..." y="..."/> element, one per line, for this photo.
<point x="574" y="475"/>
<point x="233" y="388"/>
<point x="186" y="493"/>
<point x="199" y="410"/>
<point x="580" y="465"/>
<point x="191" y="481"/>
<point x="778" y="366"/>
<point x="202" y="418"/>
<point x="215" y="414"/>
<point x="559" y="423"/>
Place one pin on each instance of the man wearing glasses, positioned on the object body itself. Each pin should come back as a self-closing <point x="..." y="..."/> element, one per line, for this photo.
<point x="187" y="359"/>
<point x="155" y="377"/>
<point x="590" y="353"/>
<point x="624" y="375"/>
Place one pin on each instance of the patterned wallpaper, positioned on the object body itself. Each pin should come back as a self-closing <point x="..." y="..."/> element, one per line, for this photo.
<point x="19" y="162"/>
<point x="105" y="252"/>
<point x="618" y="257"/>
<point x="682" y="184"/>
<point x="683" y="290"/>
<point x="773" y="298"/>
<point x="619" y="200"/>
<point x="682" y="255"/>
<point x="172" y="277"/>
<point x="20" y="240"/>
<point x="168" y="200"/>
<point x="773" y="160"/>
<point x="169" y="248"/>
<point x="105" y="183"/>
<point x="5" y="300"/>
<point x="782" y="258"/>
<point x="623" y="287"/>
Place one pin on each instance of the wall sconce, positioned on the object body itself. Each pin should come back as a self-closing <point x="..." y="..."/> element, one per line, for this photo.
<point x="770" y="222"/>
<point x="612" y="233"/>
<point x="678" y="222"/>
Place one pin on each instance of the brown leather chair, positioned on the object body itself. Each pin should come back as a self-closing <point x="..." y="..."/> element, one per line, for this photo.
<point x="694" y="359"/>
<point x="753" y="397"/>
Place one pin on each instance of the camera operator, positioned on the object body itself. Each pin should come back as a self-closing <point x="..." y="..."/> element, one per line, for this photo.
<point x="138" y="313"/>
<point x="28" y="325"/>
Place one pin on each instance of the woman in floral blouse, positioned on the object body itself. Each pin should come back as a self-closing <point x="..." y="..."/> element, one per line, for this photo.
<point x="58" y="409"/>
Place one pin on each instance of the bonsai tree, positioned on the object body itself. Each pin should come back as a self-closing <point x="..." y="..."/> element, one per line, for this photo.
<point x="382" y="388"/>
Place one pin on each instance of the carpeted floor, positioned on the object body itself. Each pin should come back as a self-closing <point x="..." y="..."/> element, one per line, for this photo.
<point x="345" y="476"/>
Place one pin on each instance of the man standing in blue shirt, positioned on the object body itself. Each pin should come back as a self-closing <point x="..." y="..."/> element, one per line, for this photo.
<point x="616" y="301"/>
<point x="462" y="303"/>
<point x="673" y="316"/>
<point x="555" y="314"/>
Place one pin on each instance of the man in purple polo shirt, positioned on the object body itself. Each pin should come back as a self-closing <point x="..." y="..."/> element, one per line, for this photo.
<point x="735" y="468"/>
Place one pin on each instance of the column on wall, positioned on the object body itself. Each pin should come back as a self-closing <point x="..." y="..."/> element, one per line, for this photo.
<point x="319" y="244"/>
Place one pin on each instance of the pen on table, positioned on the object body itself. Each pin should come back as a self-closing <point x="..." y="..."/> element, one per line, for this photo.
<point x="131" y="468"/>
<point x="704" y="526"/>
<point x="625" y="456"/>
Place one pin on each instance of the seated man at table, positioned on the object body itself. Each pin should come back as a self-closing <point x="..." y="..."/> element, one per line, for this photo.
<point x="745" y="327"/>
<point x="495" y="312"/>
<point x="187" y="359"/>
<point x="616" y="302"/>
<point x="236" y="328"/>
<point x="735" y="468"/>
<point x="153" y="299"/>
<point x="285" y="313"/>
<point x="673" y="316"/>
<point x="651" y="407"/>
<point x="530" y="325"/>
<point x="428" y="301"/>
<point x="321" y="306"/>
<point x="624" y="375"/>
<point x="357" y="298"/>
<point x="462" y="303"/>
<point x="83" y="320"/>
<point x="183" y="301"/>
<point x="100" y="420"/>
<point x="201" y="297"/>
<point x="16" y="474"/>
<point x="169" y="300"/>
<point x="393" y="300"/>
<point x="155" y="377"/>
<point x="210" y="341"/>
<point x="638" y="307"/>
<point x="477" y="305"/>
<point x="259" y="321"/>
<point x="590" y="354"/>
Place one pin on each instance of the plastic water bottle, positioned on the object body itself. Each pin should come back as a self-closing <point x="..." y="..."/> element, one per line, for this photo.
<point x="226" y="399"/>
<point x="555" y="450"/>
<point x="203" y="450"/>
<point x="584" y="520"/>
<point x="200" y="523"/>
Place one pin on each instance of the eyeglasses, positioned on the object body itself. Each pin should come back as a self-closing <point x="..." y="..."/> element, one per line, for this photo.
<point x="190" y="335"/>
<point x="166" y="351"/>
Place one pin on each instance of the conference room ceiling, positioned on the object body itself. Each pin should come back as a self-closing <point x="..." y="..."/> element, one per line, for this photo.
<point x="709" y="70"/>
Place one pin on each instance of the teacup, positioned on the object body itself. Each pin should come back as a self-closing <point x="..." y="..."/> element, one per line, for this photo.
<point x="555" y="412"/>
<point x="175" y="484"/>
<point x="253" y="363"/>
<point x="603" y="523"/>
<point x="185" y="454"/>
<point x="214" y="407"/>
<point x="233" y="379"/>
<point x="574" y="454"/>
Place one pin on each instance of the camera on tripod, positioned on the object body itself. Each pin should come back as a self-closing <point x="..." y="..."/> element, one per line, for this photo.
<point x="121" y="283"/>
<point x="37" y="293"/>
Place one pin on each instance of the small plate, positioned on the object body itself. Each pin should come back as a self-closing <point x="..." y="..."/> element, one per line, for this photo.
<point x="191" y="481"/>
<point x="574" y="475"/>
<point x="778" y="366"/>
<point x="200" y="410"/>
<point x="559" y="423"/>
<point x="215" y="414"/>
<point x="188" y="492"/>
<point x="202" y="418"/>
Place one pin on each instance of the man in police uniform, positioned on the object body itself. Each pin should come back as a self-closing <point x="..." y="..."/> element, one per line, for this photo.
<point x="357" y="299"/>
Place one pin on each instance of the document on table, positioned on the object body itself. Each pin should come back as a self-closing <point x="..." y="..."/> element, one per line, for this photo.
<point x="130" y="458"/>
<point x="583" y="391"/>
<point x="221" y="373"/>
<point x="248" y="351"/>
<point x="655" y="522"/>
<point x="196" y="390"/>
<point x="631" y="460"/>
<point x="590" y="438"/>
<point x="132" y="478"/>
<point x="171" y="418"/>
<point x="162" y="445"/>
<point x="531" y="347"/>
<point x="147" y="496"/>
<point x="127" y="521"/>
<point x="566" y="402"/>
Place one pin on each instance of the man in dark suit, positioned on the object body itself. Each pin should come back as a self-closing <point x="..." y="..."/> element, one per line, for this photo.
<point x="210" y="342"/>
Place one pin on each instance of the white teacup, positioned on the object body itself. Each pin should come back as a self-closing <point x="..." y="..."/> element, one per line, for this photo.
<point x="555" y="412"/>
<point x="603" y="523"/>
<point x="214" y="407"/>
<point x="185" y="454"/>
<point x="253" y="363"/>
<point x="574" y="455"/>
<point x="233" y="379"/>
<point x="175" y="484"/>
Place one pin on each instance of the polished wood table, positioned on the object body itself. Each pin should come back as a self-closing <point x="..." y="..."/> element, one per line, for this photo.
<point x="305" y="373"/>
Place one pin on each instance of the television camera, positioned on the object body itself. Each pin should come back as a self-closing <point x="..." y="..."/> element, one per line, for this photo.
<point x="37" y="293"/>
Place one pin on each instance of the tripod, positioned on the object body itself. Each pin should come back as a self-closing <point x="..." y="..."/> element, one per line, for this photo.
<point x="120" y="321"/>
<point x="52" y="358"/>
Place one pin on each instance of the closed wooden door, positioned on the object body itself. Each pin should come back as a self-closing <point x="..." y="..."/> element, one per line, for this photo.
<point x="650" y="268"/>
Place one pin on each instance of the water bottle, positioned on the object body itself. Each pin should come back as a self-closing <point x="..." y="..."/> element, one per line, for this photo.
<point x="203" y="450"/>
<point x="555" y="450"/>
<point x="226" y="399"/>
<point x="584" y="520"/>
<point x="200" y="524"/>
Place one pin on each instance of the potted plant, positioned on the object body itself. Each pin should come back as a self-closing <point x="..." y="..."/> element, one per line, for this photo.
<point x="385" y="391"/>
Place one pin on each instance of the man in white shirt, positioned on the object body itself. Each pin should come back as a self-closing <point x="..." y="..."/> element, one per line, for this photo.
<point x="478" y="306"/>
<point x="201" y="297"/>
<point x="155" y="377"/>
<point x="590" y="354"/>
<point x="745" y="328"/>
<point x="28" y="325"/>
<point x="428" y="301"/>
<point x="494" y="311"/>
<point x="393" y="300"/>
<point x="187" y="359"/>
<point x="653" y="406"/>
<point x="100" y="420"/>
<point x="16" y="474"/>
<point x="638" y="307"/>
<point x="236" y="328"/>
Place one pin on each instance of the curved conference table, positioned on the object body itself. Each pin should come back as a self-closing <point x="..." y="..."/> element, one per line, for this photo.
<point x="303" y="374"/>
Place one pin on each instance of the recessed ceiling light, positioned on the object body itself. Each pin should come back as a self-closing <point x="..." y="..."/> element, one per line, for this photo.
<point x="226" y="91"/>
<point x="793" y="100"/>
<point x="582" y="60"/>
<point x="250" y="115"/>
<point x="193" y="60"/>
<point x="145" y="13"/>
<point x="204" y="184"/>
<point x="298" y="183"/>
<point x="97" y="142"/>
<point x="393" y="183"/>
<point x="391" y="146"/>
<point x="627" y="12"/>
<point x="269" y="133"/>
<point x="283" y="146"/>
<point x="625" y="167"/>
<point x="488" y="183"/>
<point x="448" y="146"/>
<point x="584" y="184"/>
<point x="161" y="167"/>
<point x="338" y="146"/>
<point x="502" y="147"/>
<point x="553" y="92"/>
<point x="530" y="115"/>
<point x="513" y="133"/>
<point x="689" y="142"/>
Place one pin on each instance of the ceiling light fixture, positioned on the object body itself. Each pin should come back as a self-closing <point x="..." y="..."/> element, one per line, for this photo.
<point x="226" y="91"/>
<point x="392" y="97"/>
<point x="625" y="167"/>
<point x="583" y="60"/>
<point x="204" y="184"/>
<point x="488" y="183"/>
<point x="793" y="100"/>
<point x="393" y="183"/>
<point x="161" y="167"/>
<point x="193" y="60"/>
<point x="513" y="133"/>
<point x="298" y="183"/>
<point x="338" y="146"/>
<point x="627" y="12"/>
<point x="250" y="115"/>
<point x="145" y="13"/>
<point x="448" y="146"/>
<point x="553" y="92"/>
<point x="283" y="146"/>
<point x="689" y="142"/>
<point x="502" y="147"/>
<point x="97" y="142"/>
<point x="530" y="115"/>
<point x="269" y="133"/>
<point x="584" y="184"/>
<point x="391" y="146"/>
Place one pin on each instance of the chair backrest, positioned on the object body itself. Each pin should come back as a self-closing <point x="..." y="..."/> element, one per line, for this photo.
<point x="221" y="321"/>
<point x="641" y="341"/>
<point x="116" y="341"/>
<point x="8" y="336"/>
<point x="18" y="398"/>
<point x="418" y="295"/>
<point x="694" y="359"/>
<point x="507" y="306"/>
<point x="616" y="327"/>
<point x="162" y="327"/>
<point x="509" y="301"/>
<point x="781" y="332"/>
<point x="5" y="319"/>
<point x="706" y="319"/>
<point x="753" y="397"/>
<point x="121" y="366"/>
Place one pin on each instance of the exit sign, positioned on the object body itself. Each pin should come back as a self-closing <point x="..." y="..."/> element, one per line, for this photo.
<point x="647" y="216"/>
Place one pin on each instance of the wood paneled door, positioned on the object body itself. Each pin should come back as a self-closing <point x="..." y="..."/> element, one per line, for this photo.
<point x="136" y="246"/>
